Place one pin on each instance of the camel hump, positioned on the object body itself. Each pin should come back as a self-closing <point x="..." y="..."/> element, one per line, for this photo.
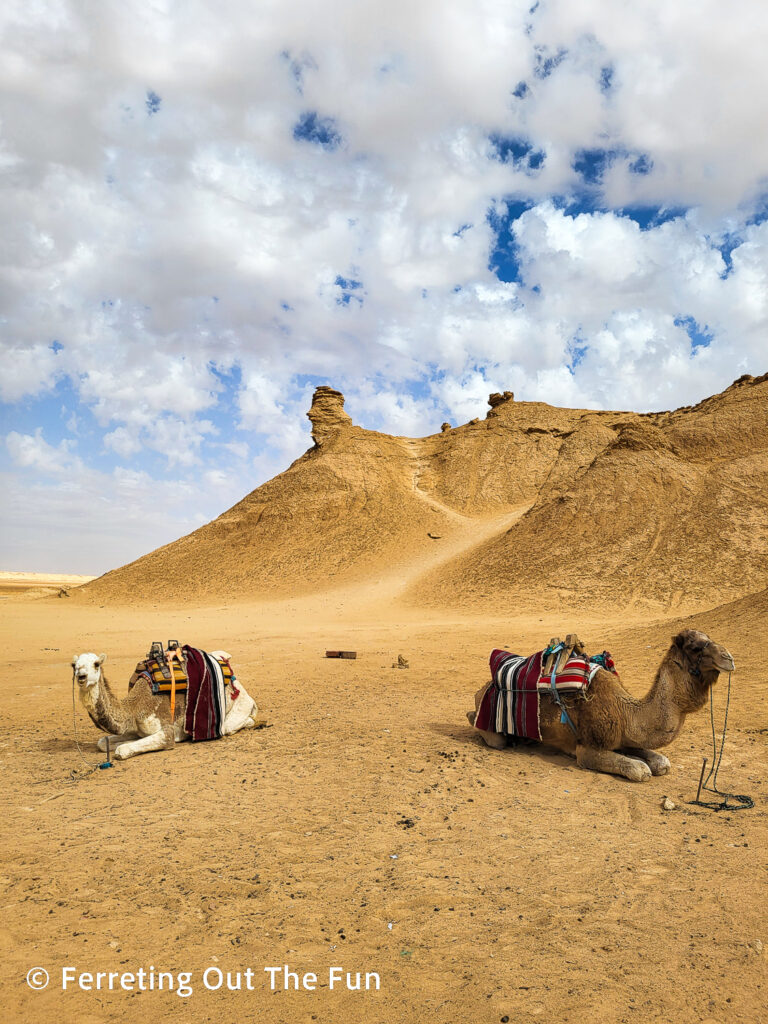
<point x="139" y="672"/>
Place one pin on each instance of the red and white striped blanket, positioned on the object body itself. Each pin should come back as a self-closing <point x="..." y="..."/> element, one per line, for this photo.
<point x="511" y="704"/>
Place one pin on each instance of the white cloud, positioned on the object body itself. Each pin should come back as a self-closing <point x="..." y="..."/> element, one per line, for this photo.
<point x="61" y="515"/>
<point x="33" y="451"/>
<point x="166" y="242"/>
<point x="123" y="442"/>
<point x="29" y="370"/>
<point x="466" y="397"/>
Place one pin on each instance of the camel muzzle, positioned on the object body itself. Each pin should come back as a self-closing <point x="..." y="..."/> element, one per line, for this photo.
<point x="713" y="656"/>
<point x="724" y="661"/>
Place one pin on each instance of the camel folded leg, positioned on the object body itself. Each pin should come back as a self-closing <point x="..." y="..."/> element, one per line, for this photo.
<point x="161" y="739"/>
<point x="253" y="721"/>
<point x="658" y="763"/>
<point x="614" y="763"/>
<point x="495" y="740"/>
<point x="241" y="714"/>
<point x="114" y="740"/>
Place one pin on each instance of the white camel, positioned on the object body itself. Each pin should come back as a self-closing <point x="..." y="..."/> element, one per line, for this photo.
<point x="141" y="722"/>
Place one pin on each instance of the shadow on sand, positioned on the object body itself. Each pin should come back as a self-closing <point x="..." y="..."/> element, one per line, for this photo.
<point x="522" y="748"/>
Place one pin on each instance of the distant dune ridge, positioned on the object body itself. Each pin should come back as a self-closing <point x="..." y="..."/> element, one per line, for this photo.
<point x="38" y="582"/>
<point x="666" y="510"/>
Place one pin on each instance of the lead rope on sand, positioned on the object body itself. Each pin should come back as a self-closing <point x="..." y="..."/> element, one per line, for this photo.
<point x="744" y="801"/>
<point x="74" y="775"/>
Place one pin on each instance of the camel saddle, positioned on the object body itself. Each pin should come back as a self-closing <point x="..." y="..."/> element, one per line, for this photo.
<point x="511" y="702"/>
<point x="565" y="665"/>
<point x="156" y="668"/>
<point x="558" y="653"/>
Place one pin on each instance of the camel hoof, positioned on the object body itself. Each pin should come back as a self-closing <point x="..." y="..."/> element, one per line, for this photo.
<point x="638" y="772"/>
<point x="123" y="752"/>
<point x="101" y="744"/>
<point x="494" y="740"/>
<point x="659" y="764"/>
<point x="471" y="715"/>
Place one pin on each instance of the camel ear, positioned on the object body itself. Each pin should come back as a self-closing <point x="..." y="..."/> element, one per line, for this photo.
<point x="102" y="658"/>
<point x="74" y="660"/>
<point x="679" y="640"/>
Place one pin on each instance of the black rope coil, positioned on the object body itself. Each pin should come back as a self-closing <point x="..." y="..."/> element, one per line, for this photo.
<point x="744" y="802"/>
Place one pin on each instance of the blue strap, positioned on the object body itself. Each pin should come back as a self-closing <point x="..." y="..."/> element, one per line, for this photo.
<point x="565" y="718"/>
<point x="553" y="650"/>
<point x="552" y="678"/>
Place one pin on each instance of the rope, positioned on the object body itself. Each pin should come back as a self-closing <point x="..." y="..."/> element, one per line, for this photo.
<point x="744" y="801"/>
<point x="76" y="776"/>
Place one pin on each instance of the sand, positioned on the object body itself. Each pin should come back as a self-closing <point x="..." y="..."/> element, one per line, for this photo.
<point x="22" y="582"/>
<point x="368" y="828"/>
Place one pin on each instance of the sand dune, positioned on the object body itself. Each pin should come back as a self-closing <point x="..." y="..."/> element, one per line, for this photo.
<point x="670" y="514"/>
<point x="667" y="511"/>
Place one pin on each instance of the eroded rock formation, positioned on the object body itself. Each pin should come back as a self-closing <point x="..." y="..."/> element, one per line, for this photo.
<point x="327" y="414"/>
<point x="496" y="400"/>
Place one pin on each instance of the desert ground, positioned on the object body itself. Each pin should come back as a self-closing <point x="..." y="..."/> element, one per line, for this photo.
<point x="368" y="828"/>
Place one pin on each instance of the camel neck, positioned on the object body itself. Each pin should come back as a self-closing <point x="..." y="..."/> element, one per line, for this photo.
<point x="655" y="719"/>
<point x="105" y="708"/>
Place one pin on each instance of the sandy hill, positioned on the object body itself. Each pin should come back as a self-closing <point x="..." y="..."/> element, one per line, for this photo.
<point x="746" y="617"/>
<point x="672" y="511"/>
<point x="532" y="502"/>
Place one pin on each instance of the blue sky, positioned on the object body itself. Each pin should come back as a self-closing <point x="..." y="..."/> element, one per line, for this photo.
<point x="209" y="214"/>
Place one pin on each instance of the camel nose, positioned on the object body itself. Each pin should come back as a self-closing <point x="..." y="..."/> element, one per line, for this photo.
<point x="731" y="667"/>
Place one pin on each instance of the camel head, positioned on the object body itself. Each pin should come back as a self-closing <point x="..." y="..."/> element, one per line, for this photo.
<point x="87" y="670"/>
<point x="702" y="656"/>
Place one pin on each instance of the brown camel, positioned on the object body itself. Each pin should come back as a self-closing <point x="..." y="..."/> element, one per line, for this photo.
<point x="618" y="733"/>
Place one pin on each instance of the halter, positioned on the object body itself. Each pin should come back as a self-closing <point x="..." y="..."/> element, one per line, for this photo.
<point x="695" y="670"/>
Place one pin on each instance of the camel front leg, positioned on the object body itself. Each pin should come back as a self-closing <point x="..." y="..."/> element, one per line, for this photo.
<point x="114" y="740"/>
<point x="143" y="745"/>
<point x="658" y="763"/>
<point x="494" y="740"/>
<point x="613" y="763"/>
<point x="162" y="738"/>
